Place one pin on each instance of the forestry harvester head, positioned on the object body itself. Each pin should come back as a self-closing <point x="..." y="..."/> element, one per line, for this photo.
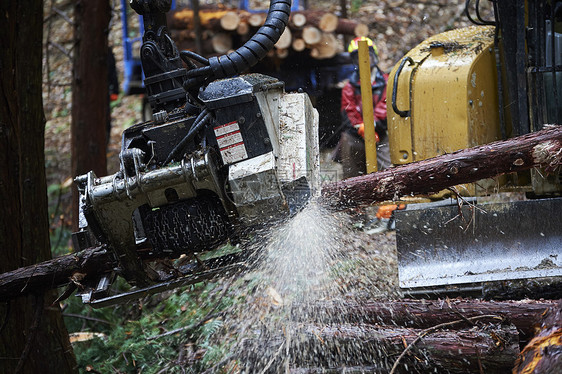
<point x="224" y="152"/>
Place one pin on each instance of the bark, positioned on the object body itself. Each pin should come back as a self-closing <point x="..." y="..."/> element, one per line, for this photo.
<point x="538" y="149"/>
<point x="350" y="27"/>
<point x="493" y="347"/>
<point x="525" y="315"/>
<point x="54" y="273"/>
<point x="544" y="353"/>
<point x="90" y="97"/>
<point x="33" y="338"/>
<point x="325" y="21"/>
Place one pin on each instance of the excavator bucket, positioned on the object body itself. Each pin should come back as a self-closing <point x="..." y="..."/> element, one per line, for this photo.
<point x="444" y="246"/>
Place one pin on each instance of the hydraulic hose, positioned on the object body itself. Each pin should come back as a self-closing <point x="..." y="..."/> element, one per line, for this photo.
<point x="202" y="119"/>
<point x="253" y="50"/>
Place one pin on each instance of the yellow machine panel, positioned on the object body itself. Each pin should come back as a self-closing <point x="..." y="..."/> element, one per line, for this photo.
<point x="446" y="96"/>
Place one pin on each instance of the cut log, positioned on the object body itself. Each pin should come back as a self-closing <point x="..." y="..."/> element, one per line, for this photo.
<point x="544" y="353"/>
<point x="328" y="22"/>
<point x="492" y="347"/>
<point x="421" y="314"/>
<point x="361" y="30"/>
<point x="298" y="45"/>
<point x="282" y="53"/>
<point x="537" y="149"/>
<point x="325" y="21"/>
<point x="311" y="35"/>
<point x="183" y="19"/>
<point x="327" y="47"/>
<point x="230" y="21"/>
<point x="285" y="40"/>
<point x="54" y="273"/>
<point x="222" y="42"/>
<point x="243" y="28"/>
<point x="297" y="20"/>
<point x="350" y="27"/>
<point x="256" y="20"/>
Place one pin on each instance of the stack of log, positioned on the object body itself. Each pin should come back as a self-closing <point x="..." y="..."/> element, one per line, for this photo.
<point x="320" y="34"/>
<point x="411" y="336"/>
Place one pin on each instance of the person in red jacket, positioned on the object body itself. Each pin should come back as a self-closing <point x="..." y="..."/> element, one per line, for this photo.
<point x="352" y="145"/>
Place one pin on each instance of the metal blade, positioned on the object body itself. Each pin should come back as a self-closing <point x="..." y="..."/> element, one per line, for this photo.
<point x="437" y="246"/>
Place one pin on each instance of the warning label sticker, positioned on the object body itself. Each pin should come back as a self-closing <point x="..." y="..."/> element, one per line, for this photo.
<point x="231" y="143"/>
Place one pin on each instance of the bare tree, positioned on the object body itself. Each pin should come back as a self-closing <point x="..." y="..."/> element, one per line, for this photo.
<point x="33" y="338"/>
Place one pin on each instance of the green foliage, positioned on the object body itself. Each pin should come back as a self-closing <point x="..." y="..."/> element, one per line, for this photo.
<point x="133" y="341"/>
<point x="355" y="5"/>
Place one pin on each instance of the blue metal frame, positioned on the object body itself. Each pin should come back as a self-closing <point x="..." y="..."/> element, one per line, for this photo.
<point x="130" y="63"/>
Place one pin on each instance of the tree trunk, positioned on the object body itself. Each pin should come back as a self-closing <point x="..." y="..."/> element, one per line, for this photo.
<point x="537" y="149"/>
<point x="493" y="347"/>
<point x="90" y="97"/>
<point x="33" y="336"/>
<point x="421" y="314"/>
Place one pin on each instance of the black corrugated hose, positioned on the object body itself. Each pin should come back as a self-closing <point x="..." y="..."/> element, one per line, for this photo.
<point x="244" y="57"/>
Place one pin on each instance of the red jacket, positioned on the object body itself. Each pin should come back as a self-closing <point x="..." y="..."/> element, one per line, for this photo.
<point x="352" y="108"/>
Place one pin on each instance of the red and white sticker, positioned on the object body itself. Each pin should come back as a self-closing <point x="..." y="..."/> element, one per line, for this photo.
<point x="231" y="143"/>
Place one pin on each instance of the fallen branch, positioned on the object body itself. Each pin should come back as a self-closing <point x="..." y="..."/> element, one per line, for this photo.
<point x="54" y="273"/>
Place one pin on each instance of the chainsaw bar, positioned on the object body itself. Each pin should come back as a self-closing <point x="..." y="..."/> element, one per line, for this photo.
<point x="194" y="273"/>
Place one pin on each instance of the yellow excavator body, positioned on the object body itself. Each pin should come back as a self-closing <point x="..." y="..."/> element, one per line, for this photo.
<point x="452" y="92"/>
<point x="443" y="97"/>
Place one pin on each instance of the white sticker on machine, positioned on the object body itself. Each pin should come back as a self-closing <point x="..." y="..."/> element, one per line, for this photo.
<point x="231" y="143"/>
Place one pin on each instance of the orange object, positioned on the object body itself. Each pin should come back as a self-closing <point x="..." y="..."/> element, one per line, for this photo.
<point x="385" y="211"/>
<point x="113" y="97"/>
<point x="361" y="131"/>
